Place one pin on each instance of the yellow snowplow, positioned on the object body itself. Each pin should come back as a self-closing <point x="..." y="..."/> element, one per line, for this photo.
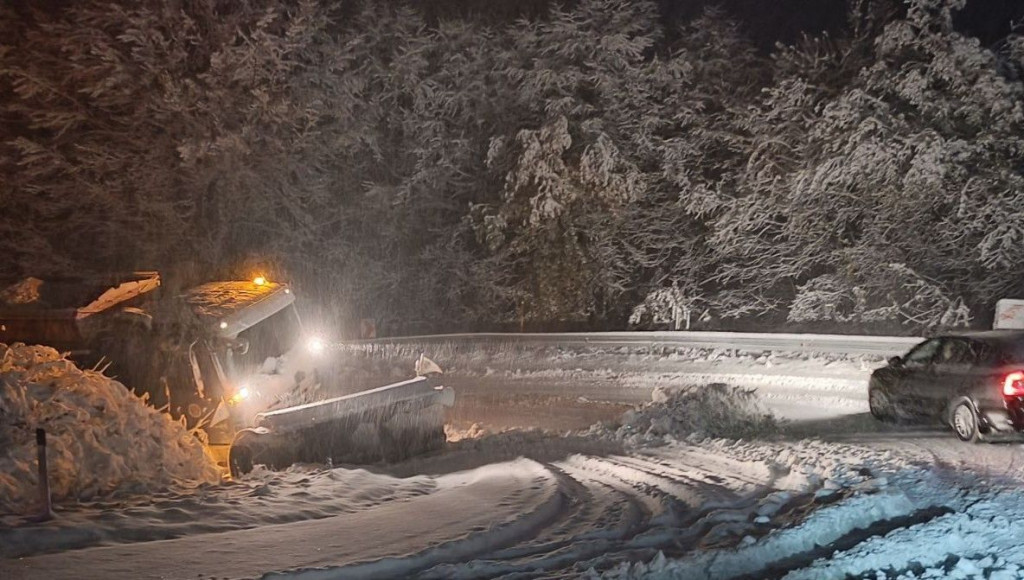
<point x="230" y="359"/>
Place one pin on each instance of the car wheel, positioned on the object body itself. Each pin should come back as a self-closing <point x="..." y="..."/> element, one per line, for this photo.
<point x="965" y="423"/>
<point x="881" y="405"/>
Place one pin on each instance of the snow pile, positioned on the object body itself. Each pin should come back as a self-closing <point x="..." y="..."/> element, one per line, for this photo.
<point x="716" y="410"/>
<point x="101" y="438"/>
<point x="911" y="524"/>
<point x="978" y="536"/>
<point x="454" y="434"/>
<point x="22" y="292"/>
<point x="219" y="299"/>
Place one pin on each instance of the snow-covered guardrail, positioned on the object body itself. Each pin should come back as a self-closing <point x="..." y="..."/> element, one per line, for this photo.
<point x="822" y="343"/>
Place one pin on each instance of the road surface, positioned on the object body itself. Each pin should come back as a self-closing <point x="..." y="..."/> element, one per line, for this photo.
<point x="513" y="501"/>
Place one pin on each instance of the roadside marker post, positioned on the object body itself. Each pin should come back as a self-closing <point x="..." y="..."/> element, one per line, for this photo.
<point x="45" y="509"/>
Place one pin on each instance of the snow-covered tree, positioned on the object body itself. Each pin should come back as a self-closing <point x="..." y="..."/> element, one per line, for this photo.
<point x="154" y="132"/>
<point x="912" y="162"/>
<point x="581" y="162"/>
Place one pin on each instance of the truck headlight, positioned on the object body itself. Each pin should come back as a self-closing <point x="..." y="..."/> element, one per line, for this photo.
<point x="315" y="345"/>
<point x="239" y="396"/>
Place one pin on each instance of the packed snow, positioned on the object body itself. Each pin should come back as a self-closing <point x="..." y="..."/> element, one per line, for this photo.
<point x="215" y="300"/>
<point x="263" y="498"/>
<point x="714" y="410"/>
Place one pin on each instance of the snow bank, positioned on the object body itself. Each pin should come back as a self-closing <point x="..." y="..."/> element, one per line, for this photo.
<point x="716" y="410"/>
<point x="101" y="437"/>
<point x="979" y="538"/>
<point x="496" y="357"/>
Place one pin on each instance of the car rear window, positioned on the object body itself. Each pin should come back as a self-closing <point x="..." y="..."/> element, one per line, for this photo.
<point x="1002" y="353"/>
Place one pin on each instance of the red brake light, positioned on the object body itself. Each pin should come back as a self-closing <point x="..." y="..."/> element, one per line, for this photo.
<point x="1013" y="384"/>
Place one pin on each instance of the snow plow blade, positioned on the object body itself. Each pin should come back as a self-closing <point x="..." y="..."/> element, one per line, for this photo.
<point x="387" y="423"/>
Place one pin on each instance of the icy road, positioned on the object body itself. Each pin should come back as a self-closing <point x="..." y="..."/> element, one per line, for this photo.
<point x="834" y="495"/>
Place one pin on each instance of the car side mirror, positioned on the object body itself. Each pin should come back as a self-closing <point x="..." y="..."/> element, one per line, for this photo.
<point x="895" y="361"/>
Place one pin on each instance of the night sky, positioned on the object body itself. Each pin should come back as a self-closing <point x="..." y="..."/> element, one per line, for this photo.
<point x="768" y="22"/>
<point x="765" y="21"/>
<point x="991" y="20"/>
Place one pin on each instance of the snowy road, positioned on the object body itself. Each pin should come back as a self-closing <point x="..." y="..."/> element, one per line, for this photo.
<point x="519" y="503"/>
<point x="511" y="516"/>
<point x="528" y="492"/>
<point x="822" y="403"/>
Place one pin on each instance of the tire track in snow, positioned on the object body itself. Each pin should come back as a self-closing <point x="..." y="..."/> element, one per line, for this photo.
<point x="627" y="505"/>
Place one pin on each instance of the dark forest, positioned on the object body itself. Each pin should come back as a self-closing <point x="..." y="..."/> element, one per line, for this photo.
<point x="590" y="164"/>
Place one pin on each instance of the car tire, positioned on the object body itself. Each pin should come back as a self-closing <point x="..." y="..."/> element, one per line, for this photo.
<point x="964" y="421"/>
<point x="881" y="405"/>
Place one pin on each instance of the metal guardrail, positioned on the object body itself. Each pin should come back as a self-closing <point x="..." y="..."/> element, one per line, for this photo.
<point x="820" y="343"/>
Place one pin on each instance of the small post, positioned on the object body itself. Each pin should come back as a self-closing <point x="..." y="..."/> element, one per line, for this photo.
<point x="45" y="510"/>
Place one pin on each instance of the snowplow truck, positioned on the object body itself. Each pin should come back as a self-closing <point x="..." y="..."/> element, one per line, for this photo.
<point x="230" y="359"/>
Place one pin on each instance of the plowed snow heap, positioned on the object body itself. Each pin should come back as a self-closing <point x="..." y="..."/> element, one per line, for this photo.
<point x="716" y="410"/>
<point x="101" y="437"/>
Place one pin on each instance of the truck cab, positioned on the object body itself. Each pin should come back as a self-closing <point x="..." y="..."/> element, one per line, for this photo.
<point x="212" y="356"/>
<point x="232" y="361"/>
<point x="254" y="354"/>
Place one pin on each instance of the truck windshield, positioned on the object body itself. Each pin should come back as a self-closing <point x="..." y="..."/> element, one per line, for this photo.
<point x="271" y="337"/>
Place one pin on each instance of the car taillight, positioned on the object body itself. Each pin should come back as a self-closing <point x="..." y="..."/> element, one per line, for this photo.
<point x="1013" y="384"/>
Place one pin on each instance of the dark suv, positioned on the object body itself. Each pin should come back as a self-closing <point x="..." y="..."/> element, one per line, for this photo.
<point x="973" y="382"/>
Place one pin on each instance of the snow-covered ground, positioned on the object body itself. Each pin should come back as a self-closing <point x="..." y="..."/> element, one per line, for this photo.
<point x="663" y="491"/>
